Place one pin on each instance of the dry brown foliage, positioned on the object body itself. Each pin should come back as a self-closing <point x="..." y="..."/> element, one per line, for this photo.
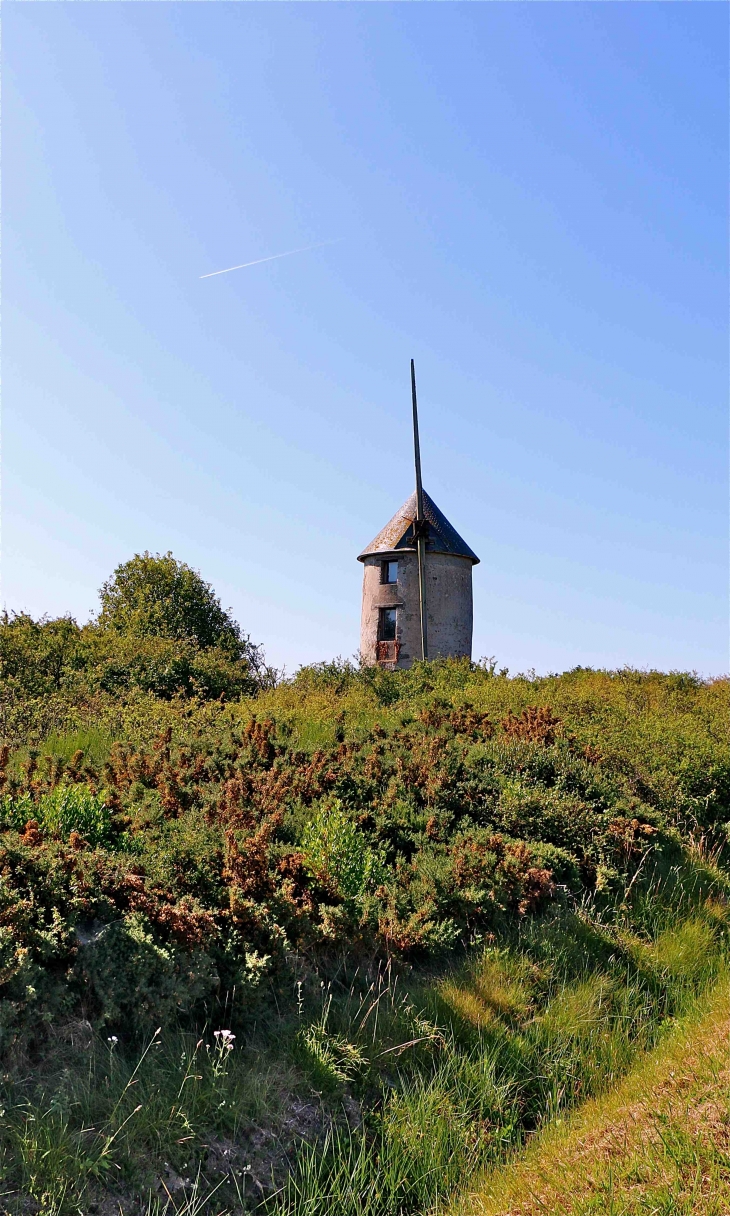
<point x="536" y="724"/>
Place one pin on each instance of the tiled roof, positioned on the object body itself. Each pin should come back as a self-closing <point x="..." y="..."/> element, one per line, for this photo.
<point x="398" y="533"/>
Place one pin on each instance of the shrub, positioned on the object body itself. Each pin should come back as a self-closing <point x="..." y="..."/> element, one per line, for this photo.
<point x="166" y="667"/>
<point x="37" y="656"/>
<point x="135" y="980"/>
<point x="338" y="853"/>
<point x="161" y="629"/>
<point x="491" y="870"/>
<point x="65" y="809"/>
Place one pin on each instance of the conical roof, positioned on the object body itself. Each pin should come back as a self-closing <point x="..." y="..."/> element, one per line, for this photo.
<point x="398" y="534"/>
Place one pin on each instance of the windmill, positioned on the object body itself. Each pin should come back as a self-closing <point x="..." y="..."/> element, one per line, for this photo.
<point x="417" y="581"/>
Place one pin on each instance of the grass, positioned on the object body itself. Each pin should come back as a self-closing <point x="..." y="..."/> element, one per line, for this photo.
<point x="380" y="1094"/>
<point x="92" y="741"/>
<point x="543" y="1047"/>
<point x="656" y="1144"/>
<point x="96" y="1120"/>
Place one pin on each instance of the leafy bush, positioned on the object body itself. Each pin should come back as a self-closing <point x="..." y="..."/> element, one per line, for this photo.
<point x="338" y="853"/>
<point x="333" y="814"/>
<point x="313" y="868"/>
<point x="161" y="630"/>
<point x="62" y="811"/>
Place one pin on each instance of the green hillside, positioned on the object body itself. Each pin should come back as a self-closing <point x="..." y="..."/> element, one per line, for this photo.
<point x="340" y="941"/>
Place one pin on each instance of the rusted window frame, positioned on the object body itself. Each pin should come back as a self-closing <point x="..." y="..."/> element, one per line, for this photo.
<point x="386" y="653"/>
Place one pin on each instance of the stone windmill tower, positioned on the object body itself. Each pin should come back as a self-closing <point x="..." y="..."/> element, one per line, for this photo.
<point x="417" y="592"/>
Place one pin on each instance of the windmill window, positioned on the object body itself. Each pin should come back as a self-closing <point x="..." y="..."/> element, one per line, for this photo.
<point x="386" y="624"/>
<point x="389" y="572"/>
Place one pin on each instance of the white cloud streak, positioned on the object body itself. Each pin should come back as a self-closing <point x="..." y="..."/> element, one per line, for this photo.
<point x="243" y="265"/>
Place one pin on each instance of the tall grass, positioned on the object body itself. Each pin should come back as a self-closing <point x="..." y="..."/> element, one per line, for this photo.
<point x="93" y="741"/>
<point x="655" y="1144"/>
<point x="516" y="1036"/>
<point x="103" y="1121"/>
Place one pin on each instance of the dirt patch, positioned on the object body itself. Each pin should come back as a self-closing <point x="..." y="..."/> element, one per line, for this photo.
<point x="262" y="1158"/>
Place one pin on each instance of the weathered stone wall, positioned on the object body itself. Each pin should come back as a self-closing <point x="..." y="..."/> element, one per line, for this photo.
<point x="448" y="602"/>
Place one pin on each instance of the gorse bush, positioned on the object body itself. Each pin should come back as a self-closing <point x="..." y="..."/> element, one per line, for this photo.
<point x="227" y="842"/>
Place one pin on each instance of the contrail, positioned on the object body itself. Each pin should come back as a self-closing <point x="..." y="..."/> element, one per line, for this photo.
<point x="273" y="258"/>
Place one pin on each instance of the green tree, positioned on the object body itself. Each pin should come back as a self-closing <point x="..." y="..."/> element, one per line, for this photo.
<point x="154" y="595"/>
<point x="161" y="629"/>
<point x="37" y="656"/>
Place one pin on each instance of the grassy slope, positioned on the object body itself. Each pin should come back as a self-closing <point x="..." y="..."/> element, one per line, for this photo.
<point x="657" y="1144"/>
<point x="449" y="1062"/>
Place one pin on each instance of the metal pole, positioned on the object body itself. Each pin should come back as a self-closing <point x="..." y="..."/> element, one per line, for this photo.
<point x="420" y="526"/>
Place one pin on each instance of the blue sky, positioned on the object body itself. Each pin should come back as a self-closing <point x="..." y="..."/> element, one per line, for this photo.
<point x="529" y="199"/>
